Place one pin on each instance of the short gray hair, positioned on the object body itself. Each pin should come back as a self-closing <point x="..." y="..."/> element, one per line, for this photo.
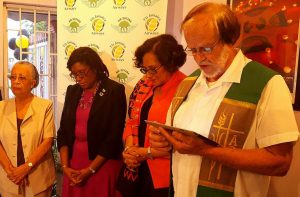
<point x="225" y="20"/>
<point x="34" y="71"/>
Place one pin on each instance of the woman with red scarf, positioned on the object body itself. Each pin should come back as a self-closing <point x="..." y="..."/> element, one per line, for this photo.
<point x="159" y="58"/>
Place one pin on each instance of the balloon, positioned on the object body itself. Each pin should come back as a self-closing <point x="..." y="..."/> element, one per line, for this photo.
<point x="22" y="41"/>
<point x="17" y="54"/>
<point x="12" y="43"/>
<point x="24" y="33"/>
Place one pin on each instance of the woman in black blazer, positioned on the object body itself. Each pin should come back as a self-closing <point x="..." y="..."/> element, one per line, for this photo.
<point x="90" y="133"/>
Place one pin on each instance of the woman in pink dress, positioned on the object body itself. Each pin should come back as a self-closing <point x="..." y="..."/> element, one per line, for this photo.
<point x="90" y="133"/>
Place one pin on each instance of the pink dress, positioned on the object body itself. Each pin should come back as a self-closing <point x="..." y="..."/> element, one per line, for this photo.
<point x="103" y="182"/>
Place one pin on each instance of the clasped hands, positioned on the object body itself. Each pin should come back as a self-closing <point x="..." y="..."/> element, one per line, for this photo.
<point x="184" y="144"/>
<point x="18" y="175"/>
<point x="77" y="177"/>
<point x="133" y="156"/>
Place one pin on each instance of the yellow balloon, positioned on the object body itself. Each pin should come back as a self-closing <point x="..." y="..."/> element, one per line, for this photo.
<point x="22" y="41"/>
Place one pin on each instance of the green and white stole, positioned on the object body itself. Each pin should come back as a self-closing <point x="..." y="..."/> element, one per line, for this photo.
<point x="230" y="126"/>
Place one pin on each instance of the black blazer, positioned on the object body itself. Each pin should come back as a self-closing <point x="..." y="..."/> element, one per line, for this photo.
<point x="105" y="123"/>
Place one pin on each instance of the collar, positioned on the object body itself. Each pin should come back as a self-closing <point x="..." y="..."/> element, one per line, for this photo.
<point x="232" y="74"/>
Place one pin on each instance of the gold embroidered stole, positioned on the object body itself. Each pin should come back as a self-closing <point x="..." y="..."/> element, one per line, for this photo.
<point x="182" y="92"/>
<point x="230" y="126"/>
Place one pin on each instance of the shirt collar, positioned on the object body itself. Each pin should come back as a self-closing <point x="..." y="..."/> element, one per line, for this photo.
<point x="232" y="74"/>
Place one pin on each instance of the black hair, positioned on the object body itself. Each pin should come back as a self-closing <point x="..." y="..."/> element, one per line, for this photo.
<point x="89" y="57"/>
<point x="169" y="53"/>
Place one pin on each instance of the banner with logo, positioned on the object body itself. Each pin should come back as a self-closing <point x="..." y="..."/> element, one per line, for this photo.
<point x="113" y="28"/>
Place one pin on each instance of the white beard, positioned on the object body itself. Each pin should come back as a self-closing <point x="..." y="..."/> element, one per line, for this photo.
<point x="219" y="70"/>
<point x="215" y="75"/>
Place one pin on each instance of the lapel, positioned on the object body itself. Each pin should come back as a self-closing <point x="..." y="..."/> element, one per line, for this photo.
<point x="99" y="96"/>
<point x="73" y="101"/>
<point x="11" y="113"/>
<point x="29" y="112"/>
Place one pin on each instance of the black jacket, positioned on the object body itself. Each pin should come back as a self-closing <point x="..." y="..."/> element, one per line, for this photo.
<point x="105" y="123"/>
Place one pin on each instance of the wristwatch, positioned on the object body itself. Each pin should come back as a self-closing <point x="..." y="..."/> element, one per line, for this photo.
<point x="92" y="170"/>
<point x="149" y="154"/>
<point x="30" y="164"/>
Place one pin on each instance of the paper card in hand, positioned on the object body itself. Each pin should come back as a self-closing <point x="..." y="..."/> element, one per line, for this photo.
<point x="184" y="131"/>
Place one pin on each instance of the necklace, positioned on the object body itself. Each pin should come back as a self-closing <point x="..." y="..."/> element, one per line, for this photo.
<point x="83" y="104"/>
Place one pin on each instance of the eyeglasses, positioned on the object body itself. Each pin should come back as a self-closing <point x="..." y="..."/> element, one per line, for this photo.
<point x="151" y="71"/>
<point x="81" y="74"/>
<point x="200" y="50"/>
<point x="15" y="77"/>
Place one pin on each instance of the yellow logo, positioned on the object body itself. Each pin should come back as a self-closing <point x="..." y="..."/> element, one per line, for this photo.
<point x="98" y="25"/>
<point x="69" y="48"/>
<point x="119" y="2"/>
<point x="118" y="51"/>
<point x="152" y="24"/>
<point x="70" y="3"/>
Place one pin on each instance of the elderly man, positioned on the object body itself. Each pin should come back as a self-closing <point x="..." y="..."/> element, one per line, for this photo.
<point x="235" y="101"/>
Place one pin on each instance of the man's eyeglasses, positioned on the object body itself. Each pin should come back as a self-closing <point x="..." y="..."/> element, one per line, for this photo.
<point x="81" y="74"/>
<point x="151" y="71"/>
<point x="15" y="77"/>
<point x="200" y="50"/>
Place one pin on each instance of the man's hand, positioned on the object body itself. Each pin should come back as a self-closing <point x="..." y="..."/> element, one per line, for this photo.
<point x="186" y="144"/>
<point x="158" y="141"/>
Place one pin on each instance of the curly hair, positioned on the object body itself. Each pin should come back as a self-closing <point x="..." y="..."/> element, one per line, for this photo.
<point x="169" y="53"/>
<point x="89" y="57"/>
